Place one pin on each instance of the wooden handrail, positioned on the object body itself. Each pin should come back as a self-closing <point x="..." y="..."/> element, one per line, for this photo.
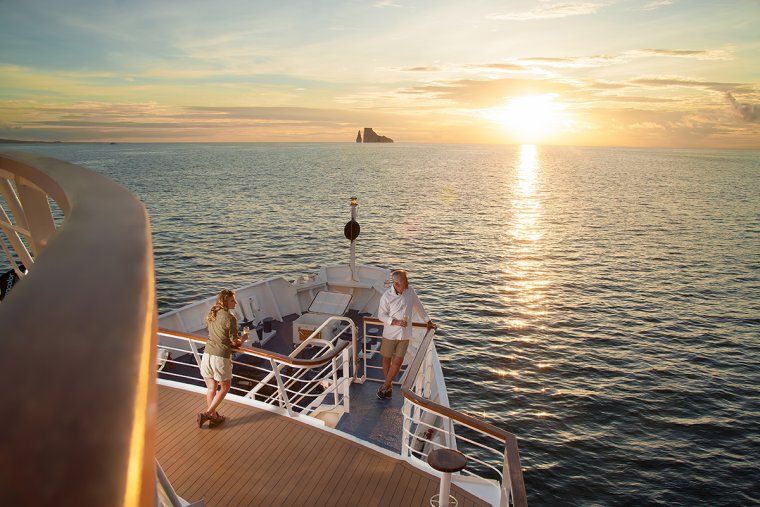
<point x="265" y="354"/>
<point x="79" y="346"/>
<point x="508" y="439"/>
<point x="372" y="320"/>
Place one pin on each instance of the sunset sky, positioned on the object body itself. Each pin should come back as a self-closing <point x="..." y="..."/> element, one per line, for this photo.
<point x="677" y="73"/>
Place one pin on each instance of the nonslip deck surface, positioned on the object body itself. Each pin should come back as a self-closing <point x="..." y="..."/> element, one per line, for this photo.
<point x="261" y="458"/>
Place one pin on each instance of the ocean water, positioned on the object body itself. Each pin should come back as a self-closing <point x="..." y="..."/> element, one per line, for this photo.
<point x="603" y="304"/>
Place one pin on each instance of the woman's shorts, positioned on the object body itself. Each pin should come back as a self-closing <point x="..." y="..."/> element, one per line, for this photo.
<point x="393" y="348"/>
<point x="218" y="368"/>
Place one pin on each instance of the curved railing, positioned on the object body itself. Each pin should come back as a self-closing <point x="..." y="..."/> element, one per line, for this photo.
<point x="78" y="339"/>
<point x="429" y="425"/>
<point x="298" y="385"/>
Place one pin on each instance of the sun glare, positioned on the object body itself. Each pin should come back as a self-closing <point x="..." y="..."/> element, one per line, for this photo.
<point x="531" y="118"/>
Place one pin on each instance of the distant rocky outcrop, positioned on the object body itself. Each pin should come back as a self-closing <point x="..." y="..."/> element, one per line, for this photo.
<point x="370" y="136"/>
<point x="359" y="136"/>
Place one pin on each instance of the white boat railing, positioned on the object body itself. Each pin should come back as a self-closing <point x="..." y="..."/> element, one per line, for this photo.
<point x="370" y="371"/>
<point x="427" y="425"/>
<point x="298" y="385"/>
<point x="492" y="453"/>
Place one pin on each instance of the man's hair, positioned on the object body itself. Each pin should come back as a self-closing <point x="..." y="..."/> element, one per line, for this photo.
<point x="396" y="273"/>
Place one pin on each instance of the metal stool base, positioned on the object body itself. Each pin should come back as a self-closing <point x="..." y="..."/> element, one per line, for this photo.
<point x="434" y="501"/>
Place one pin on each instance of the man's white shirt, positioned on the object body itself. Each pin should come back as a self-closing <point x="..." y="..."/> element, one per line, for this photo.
<point x="400" y="306"/>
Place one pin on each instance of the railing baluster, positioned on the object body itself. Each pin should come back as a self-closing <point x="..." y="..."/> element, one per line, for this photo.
<point x="506" y="487"/>
<point x="38" y="215"/>
<point x="16" y="243"/>
<point x="283" y="395"/>
<point x="335" y="381"/>
<point x="13" y="203"/>
<point x="346" y="383"/>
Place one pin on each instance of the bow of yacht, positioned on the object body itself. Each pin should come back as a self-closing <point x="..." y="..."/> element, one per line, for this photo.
<point x="104" y="406"/>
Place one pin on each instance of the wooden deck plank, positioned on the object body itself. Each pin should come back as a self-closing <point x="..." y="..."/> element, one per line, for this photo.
<point x="408" y="496"/>
<point x="403" y="482"/>
<point x="305" y="473"/>
<point x="421" y="491"/>
<point x="179" y="415"/>
<point x="262" y="458"/>
<point x="203" y="441"/>
<point x="328" y="474"/>
<point x="236" y="462"/>
<point x="352" y="477"/>
<point x="237" y="443"/>
<point x="391" y="485"/>
<point x="365" y="482"/>
<point x="380" y="479"/>
<point x="246" y="471"/>
<point x="282" y="464"/>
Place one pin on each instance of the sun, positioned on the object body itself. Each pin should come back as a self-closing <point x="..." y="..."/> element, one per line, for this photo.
<point x="530" y="118"/>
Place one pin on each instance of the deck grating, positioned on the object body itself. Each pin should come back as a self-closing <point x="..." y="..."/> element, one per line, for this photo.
<point x="261" y="458"/>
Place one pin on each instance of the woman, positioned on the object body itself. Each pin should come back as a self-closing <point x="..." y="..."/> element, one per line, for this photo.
<point x="216" y="364"/>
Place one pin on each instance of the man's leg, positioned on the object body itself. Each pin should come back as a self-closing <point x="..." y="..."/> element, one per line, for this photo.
<point x="386" y="366"/>
<point x="394" y="367"/>
<point x="225" y="387"/>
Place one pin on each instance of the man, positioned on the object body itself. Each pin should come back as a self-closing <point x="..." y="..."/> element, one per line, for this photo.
<point x="397" y="307"/>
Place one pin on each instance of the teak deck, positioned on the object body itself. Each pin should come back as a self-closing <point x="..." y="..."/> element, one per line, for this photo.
<point x="262" y="458"/>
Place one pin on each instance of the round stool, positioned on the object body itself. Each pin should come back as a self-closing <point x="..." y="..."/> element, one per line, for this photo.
<point x="447" y="461"/>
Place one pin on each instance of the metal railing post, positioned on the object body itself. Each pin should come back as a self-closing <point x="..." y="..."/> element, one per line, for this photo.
<point x="364" y="351"/>
<point x="346" y="382"/>
<point x="336" y="394"/>
<point x="406" y="428"/>
<point x="506" y="484"/>
<point x="281" y="388"/>
<point x="196" y="354"/>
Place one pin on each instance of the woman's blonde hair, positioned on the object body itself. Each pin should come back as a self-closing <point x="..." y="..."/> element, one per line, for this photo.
<point x="221" y="303"/>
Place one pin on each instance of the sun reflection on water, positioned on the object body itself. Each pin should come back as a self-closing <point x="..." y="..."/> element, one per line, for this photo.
<point x="525" y="282"/>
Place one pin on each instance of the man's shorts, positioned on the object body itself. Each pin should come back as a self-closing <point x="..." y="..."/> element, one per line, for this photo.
<point x="393" y="348"/>
<point x="218" y="368"/>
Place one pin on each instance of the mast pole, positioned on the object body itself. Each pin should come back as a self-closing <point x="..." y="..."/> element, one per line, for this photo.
<point x="354" y="205"/>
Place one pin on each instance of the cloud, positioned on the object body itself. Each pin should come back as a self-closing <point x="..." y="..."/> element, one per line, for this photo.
<point x="630" y="98"/>
<point x="385" y="3"/>
<point x="575" y="62"/>
<point x="591" y="61"/>
<point x="99" y="121"/>
<point x="557" y="10"/>
<point x="498" y="66"/>
<point x="656" y="4"/>
<point x="487" y="93"/>
<point x="687" y="83"/>
<point x="605" y="85"/>
<point x="699" y="54"/>
<point x="420" y="69"/>
<point x="748" y="112"/>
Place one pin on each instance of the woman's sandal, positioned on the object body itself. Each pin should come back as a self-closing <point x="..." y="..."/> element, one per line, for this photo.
<point x="202" y="417"/>
<point x="216" y="420"/>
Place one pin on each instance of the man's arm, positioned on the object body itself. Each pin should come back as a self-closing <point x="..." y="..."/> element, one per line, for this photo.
<point x="417" y="305"/>
<point x="383" y="310"/>
<point x="383" y="313"/>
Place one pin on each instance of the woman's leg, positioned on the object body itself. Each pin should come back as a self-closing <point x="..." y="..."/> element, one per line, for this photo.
<point x="211" y="386"/>
<point x="225" y="387"/>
